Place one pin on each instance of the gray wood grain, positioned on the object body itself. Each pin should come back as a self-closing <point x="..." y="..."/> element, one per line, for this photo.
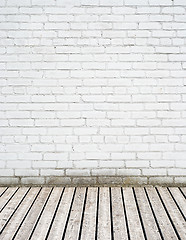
<point x="19" y="215"/>
<point x="119" y="223"/>
<point x="104" y="224"/>
<point x="2" y="189"/>
<point x="73" y="226"/>
<point x="29" y="223"/>
<point x="43" y="225"/>
<point x="52" y="213"/>
<point x="162" y="218"/>
<point x="150" y="226"/>
<point x="184" y="190"/>
<point x="173" y="211"/>
<point x="58" y="225"/>
<point x="181" y="201"/>
<point x="6" y="196"/>
<point x="135" y="227"/>
<point x="7" y="212"/>
<point x="89" y="222"/>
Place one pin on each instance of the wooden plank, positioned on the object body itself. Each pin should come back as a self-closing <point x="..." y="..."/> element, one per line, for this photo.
<point x="173" y="212"/>
<point x="135" y="228"/>
<point x="19" y="215"/>
<point x="183" y="189"/>
<point x="89" y="222"/>
<point x="42" y="227"/>
<point x="58" y="225"/>
<point x="179" y="198"/>
<point x="104" y="221"/>
<point x="7" y="196"/>
<point x="2" y="190"/>
<point x="119" y="223"/>
<point x="31" y="219"/>
<point x="149" y="223"/>
<point x="11" y="207"/>
<point x="72" y="231"/>
<point x="162" y="218"/>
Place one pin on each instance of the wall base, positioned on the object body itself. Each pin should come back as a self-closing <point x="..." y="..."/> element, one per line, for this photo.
<point x="94" y="181"/>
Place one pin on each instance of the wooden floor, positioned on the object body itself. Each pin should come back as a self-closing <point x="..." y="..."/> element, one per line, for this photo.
<point x="92" y="213"/>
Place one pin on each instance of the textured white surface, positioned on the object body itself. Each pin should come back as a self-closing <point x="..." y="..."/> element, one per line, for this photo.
<point x="91" y="89"/>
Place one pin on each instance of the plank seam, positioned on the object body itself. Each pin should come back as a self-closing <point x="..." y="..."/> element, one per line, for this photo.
<point x="182" y="192"/>
<point x="64" y="232"/>
<point x="125" y="214"/>
<point x="139" y="213"/>
<point x="3" y="192"/>
<point x="83" y="213"/>
<point x="177" y="204"/>
<point x="111" y="216"/>
<point x="97" y="215"/>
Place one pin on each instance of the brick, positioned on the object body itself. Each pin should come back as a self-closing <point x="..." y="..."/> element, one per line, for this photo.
<point x="78" y="172"/>
<point x="42" y="147"/>
<point x="44" y="164"/>
<point x="6" y="172"/>
<point x="58" y="180"/>
<point x="136" y="147"/>
<point x="52" y="172"/>
<point x="128" y="172"/>
<point x="31" y="10"/>
<point x="179" y="2"/>
<point x="137" y="164"/>
<point x="21" y="122"/>
<point x="97" y="156"/>
<point x="4" y="181"/>
<point x="103" y="172"/>
<point x="148" y="10"/>
<point x="111" y="2"/>
<point x="162" y="164"/>
<point x="26" y="172"/>
<point x="154" y="172"/>
<point x="18" y="3"/>
<point x="85" y="164"/>
<point x="176" y="172"/>
<point x="161" y="180"/>
<point x="43" y="2"/>
<point x="159" y="2"/>
<point x="32" y="180"/>
<point x="55" y="156"/>
<point x="18" y="164"/>
<point x="174" y="10"/>
<point x="180" y="180"/>
<point x="137" y="3"/>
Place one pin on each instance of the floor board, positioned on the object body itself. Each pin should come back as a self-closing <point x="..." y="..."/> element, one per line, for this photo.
<point x="118" y="215"/>
<point x="135" y="227"/>
<point x="104" y="221"/>
<point x="92" y="213"/>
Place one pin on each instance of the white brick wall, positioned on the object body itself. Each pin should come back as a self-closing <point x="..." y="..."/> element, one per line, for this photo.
<point x="91" y="89"/>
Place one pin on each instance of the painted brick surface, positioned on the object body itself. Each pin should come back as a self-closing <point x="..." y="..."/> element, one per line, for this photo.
<point x="92" y="89"/>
